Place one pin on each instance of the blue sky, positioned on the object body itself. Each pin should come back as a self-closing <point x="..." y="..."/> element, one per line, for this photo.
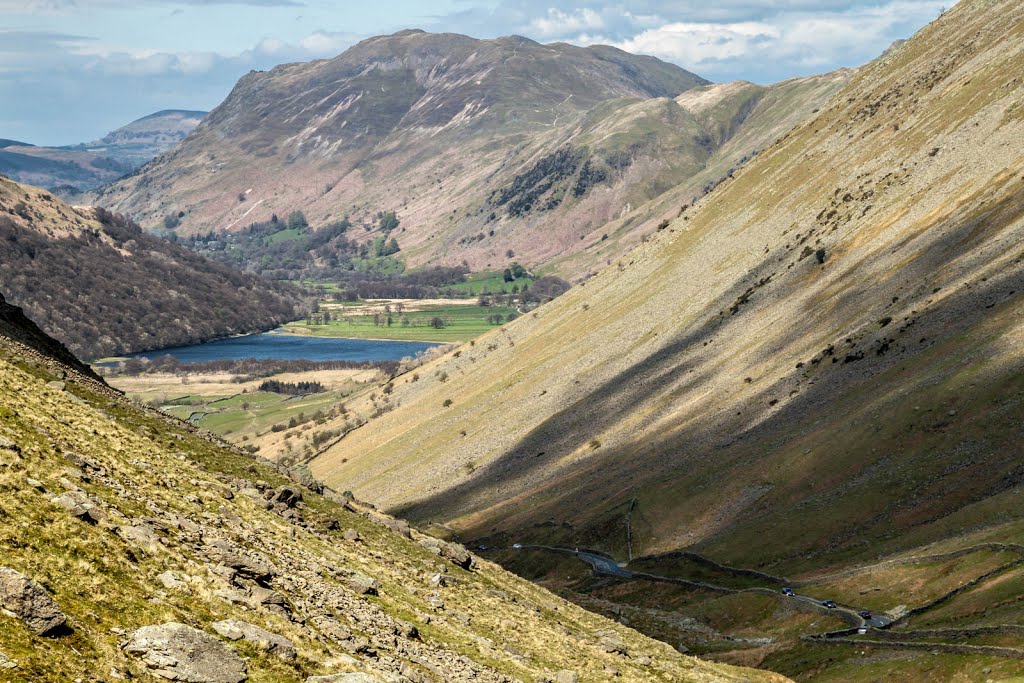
<point x="71" y="70"/>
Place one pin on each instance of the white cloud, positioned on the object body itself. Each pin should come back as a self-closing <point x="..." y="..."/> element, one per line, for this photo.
<point x="326" y="43"/>
<point x="559" y="23"/>
<point x="696" y="43"/>
<point x="785" y="41"/>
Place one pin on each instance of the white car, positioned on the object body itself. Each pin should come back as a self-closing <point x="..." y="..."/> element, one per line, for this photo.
<point x="517" y="546"/>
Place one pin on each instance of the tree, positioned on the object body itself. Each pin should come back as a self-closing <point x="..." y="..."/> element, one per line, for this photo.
<point x="437" y="322"/>
<point x="297" y="221"/>
<point x="507" y="275"/>
<point x="388" y="221"/>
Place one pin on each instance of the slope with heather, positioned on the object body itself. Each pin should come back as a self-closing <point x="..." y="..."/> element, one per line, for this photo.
<point x="102" y="286"/>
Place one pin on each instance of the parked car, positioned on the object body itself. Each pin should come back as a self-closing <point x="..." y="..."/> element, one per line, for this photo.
<point x="788" y="591"/>
<point x="517" y="546"/>
<point x="864" y="614"/>
<point x="829" y="603"/>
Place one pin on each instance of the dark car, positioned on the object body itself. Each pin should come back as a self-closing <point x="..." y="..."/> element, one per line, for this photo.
<point x="788" y="591"/>
<point x="829" y="603"/>
<point x="864" y="614"/>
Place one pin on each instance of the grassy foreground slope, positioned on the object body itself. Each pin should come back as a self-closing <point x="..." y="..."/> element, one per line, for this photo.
<point x="125" y="519"/>
<point x="819" y="362"/>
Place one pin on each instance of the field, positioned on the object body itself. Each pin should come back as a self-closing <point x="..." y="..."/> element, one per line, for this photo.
<point x="435" y="320"/>
<point x="238" y="411"/>
<point x="489" y="282"/>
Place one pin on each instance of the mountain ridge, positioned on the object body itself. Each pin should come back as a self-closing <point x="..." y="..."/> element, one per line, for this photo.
<point x="481" y="148"/>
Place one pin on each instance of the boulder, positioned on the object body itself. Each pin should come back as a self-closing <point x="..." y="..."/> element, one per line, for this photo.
<point x="141" y="535"/>
<point x="181" y="653"/>
<point x="363" y="584"/>
<point x="8" y="445"/>
<point x="303" y="476"/>
<point x="265" y="640"/>
<point x="289" y="496"/>
<point x="28" y="601"/>
<point x="566" y="676"/>
<point x="172" y="581"/>
<point x="80" y="505"/>
<point x="457" y="554"/>
<point x="357" y="677"/>
<point x="612" y="643"/>
<point x="247" y="566"/>
<point x="399" y="526"/>
<point x="351" y="535"/>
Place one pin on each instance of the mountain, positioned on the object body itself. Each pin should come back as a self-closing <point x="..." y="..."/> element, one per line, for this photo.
<point x="481" y="147"/>
<point x="815" y="367"/>
<point x="102" y="286"/>
<point x="82" y="167"/>
<point x="145" y="551"/>
<point x="144" y="139"/>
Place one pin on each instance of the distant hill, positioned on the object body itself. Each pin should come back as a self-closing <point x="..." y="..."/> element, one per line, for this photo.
<point x="482" y="147"/>
<point x="72" y="169"/>
<point x="146" y="138"/>
<point x="102" y="286"/>
<point x="479" y="146"/>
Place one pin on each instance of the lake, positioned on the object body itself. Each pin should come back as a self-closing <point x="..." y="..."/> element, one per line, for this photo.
<point x="277" y="346"/>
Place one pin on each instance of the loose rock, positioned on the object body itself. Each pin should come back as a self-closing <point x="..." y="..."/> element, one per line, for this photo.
<point x="27" y="600"/>
<point x="302" y="475"/>
<point x="181" y="653"/>
<point x="265" y="640"/>
<point x="80" y="505"/>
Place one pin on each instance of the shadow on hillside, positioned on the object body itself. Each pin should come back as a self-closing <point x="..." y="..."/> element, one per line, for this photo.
<point x="724" y="449"/>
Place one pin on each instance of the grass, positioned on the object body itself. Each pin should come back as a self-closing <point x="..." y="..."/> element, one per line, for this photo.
<point x="240" y="412"/>
<point x="489" y="282"/>
<point x="461" y="323"/>
<point x="152" y="467"/>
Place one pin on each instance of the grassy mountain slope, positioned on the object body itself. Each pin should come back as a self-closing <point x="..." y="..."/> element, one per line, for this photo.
<point x="124" y="519"/>
<point x="102" y="286"/>
<point x="733" y="122"/>
<point x="818" y="363"/>
<point x="480" y="146"/>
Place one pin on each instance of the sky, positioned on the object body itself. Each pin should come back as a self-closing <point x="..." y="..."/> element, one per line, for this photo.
<point x="72" y="70"/>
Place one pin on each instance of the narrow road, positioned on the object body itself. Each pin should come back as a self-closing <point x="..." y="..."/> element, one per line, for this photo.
<point x="606" y="566"/>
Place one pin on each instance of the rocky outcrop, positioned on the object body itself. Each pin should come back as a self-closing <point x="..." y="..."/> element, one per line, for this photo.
<point x="28" y="601"/>
<point x="246" y="565"/>
<point x="456" y="553"/>
<point x="14" y="324"/>
<point x="178" y="652"/>
<point x="265" y="640"/>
